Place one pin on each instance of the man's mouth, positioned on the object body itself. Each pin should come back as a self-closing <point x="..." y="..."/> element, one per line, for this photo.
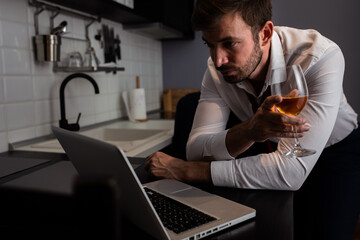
<point x="226" y="71"/>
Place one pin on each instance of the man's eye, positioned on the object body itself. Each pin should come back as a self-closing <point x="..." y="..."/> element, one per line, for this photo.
<point x="230" y="44"/>
<point x="209" y="45"/>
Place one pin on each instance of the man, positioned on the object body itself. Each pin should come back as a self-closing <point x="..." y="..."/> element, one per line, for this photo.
<point x="244" y="47"/>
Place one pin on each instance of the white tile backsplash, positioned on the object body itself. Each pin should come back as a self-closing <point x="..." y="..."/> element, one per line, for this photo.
<point x="87" y="105"/>
<point x="16" y="61"/>
<point x="2" y="118"/>
<point x="1" y="60"/>
<point x="14" y="10"/>
<point x="43" y="130"/>
<point x="80" y="26"/>
<point x="43" y="19"/>
<point x="43" y="112"/>
<point x="43" y="87"/>
<point x="20" y="115"/>
<point x="40" y="68"/>
<point x="102" y="117"/>
<point x="1" y="32"/>
<point x="29" y="90"/>
<point x="21" y="134"/>
<point x="18" y="37"/>
<point x="18" y="89"/>
<point x="102" y="104"/>
<point x="114" y="102"/>
<point x="1" y="90"/>
<point x="3" y="142"/>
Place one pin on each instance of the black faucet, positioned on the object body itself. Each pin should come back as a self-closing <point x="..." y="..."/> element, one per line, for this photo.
<point x="63" y="123"/>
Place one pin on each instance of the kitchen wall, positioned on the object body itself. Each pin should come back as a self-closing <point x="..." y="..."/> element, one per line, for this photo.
<point x="185" y="61"/>
<point x="29" y="90"/>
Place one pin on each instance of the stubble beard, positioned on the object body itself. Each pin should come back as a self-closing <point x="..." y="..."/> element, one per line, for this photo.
<point x="244" y="73"/>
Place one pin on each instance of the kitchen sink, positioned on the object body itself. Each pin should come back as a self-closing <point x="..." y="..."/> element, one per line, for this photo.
<point x="124" y="134"/>
<point x="137" y="140"/>
<point x="126" y="139"/>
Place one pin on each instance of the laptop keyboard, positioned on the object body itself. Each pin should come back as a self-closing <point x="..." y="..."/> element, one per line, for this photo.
<point x="175" y="215"/>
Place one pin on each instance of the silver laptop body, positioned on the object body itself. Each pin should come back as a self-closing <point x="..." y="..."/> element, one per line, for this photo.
<point x="91" y="156"/>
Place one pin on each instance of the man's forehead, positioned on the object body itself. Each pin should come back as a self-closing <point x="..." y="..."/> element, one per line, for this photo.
<point x="230" y="26"/>
<point x="212" y="39"/>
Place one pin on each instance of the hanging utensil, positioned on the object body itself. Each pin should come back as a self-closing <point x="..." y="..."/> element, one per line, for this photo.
<point x="117" y="47"/>
<point x="61" y="29"/>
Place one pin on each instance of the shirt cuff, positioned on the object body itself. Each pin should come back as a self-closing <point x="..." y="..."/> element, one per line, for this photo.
<point x="222" y="173"/>
<point x="218" y="147"/>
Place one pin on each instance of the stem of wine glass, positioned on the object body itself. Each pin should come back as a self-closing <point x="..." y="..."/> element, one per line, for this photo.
<point x="297" y="146"/>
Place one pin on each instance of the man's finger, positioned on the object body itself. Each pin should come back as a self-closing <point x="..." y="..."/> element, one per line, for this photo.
<point x="270" y="101"/>
<point x="293" y="93"/>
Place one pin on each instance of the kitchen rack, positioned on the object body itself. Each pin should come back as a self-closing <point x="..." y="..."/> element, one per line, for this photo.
<point x="87" y="69"/>
<point x="56" y="10"/>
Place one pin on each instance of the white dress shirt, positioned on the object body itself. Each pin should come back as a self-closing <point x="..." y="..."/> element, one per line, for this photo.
<point x="327" y="111"/>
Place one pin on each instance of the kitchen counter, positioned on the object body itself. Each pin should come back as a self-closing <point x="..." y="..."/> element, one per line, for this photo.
<point x="124" y="134"/>
<point x="40" y="201"/>
<point x="17" y="164"/>
<point x="41" y="171"/>
<point x="37" y="200"/>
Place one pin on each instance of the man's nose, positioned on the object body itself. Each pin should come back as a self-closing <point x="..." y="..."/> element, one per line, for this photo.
<point x="220" y="57"/>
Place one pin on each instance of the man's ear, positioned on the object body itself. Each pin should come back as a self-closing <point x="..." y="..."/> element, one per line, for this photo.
<point x="266" y="33"/>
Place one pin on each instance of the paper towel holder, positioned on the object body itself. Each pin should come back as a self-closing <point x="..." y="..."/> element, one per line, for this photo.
<point x="135" y="103"/>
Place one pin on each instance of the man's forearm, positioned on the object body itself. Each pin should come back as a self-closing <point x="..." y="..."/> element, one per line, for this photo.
<point x="237" y="139"/>
<point x="165" y="166"/>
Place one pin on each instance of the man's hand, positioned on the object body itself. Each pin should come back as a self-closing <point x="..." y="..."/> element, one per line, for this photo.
<point x="266" y="123"/>
<point x="162" y="165"/>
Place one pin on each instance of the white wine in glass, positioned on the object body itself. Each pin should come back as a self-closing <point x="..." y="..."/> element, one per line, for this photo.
<point x="289" y="83"/>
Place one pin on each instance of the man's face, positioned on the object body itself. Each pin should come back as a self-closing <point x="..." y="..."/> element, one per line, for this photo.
<point x="233" y="49"/>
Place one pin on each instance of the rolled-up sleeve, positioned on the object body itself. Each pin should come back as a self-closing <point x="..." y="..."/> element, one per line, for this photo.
<point x="207" y="137"/>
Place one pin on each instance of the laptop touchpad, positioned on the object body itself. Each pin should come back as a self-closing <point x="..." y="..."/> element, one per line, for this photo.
<point x="168" y="186"/>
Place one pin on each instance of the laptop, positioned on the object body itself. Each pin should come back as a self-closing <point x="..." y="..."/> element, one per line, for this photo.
<point x="205" y="213"/>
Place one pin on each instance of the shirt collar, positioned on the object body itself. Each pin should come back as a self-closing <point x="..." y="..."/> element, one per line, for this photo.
<point x="276" y="58"/>
<point x="277" y="54"/>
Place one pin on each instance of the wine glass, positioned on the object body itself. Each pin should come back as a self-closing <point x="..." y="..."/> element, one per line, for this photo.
<point x="289" y="82"/>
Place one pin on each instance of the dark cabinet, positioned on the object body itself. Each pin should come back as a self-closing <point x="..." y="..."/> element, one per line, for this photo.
<point x="160" y="19"/>
<point x="175" y="14"/>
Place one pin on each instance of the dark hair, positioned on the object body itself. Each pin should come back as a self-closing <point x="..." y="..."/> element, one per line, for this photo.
<point x="207" y="13"/>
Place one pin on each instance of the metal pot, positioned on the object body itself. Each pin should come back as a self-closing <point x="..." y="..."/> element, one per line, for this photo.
<point x="47" y="48"/>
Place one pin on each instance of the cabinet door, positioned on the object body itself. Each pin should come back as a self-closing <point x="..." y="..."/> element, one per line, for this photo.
<point x="175" y="13"/>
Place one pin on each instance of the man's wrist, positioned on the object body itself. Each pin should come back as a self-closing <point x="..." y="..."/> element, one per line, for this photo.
<point x="197" y="172"/>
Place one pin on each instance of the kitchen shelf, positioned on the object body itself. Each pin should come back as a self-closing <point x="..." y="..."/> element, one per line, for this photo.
<point x="87" y="69"/>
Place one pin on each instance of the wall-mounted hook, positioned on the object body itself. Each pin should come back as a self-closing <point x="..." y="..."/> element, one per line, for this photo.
<point x="36" y="18"/>
<point x="87" y="32"/>
<point x="52" y="17"/>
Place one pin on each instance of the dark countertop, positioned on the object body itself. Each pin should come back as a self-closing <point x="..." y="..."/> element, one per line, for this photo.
<point x="47" y="206"/>
<point x="28" y="206"/>
<point x="18" y="163"/>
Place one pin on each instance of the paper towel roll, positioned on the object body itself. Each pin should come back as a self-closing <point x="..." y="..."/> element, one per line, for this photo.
<point x="135" y="104"/>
